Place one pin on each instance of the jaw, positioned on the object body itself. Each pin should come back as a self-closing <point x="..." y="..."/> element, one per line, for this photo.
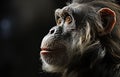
<point x="56" y="58"/>
<point x="54" y="61"/>
<point x="52" y="68"/>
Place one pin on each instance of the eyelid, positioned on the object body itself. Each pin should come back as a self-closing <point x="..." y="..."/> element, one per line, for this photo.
<point x="68" y="19"/>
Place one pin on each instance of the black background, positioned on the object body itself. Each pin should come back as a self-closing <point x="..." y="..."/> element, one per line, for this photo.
<point x="23" y="24"/>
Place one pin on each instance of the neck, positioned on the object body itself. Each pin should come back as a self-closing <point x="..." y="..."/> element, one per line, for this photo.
<point x="80" y="65"/>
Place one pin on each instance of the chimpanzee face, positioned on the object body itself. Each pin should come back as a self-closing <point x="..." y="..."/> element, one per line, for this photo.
<point x="74" y="33"/>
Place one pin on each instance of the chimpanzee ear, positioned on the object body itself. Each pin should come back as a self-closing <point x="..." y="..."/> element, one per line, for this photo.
<point x="108" y="18"/>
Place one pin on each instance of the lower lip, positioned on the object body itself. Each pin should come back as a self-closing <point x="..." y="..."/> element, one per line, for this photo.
<point x="44" y="52"/>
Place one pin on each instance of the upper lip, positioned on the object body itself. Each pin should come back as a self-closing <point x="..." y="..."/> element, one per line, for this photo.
<point x="50" y="49"/>
<point x="46" y="49"/>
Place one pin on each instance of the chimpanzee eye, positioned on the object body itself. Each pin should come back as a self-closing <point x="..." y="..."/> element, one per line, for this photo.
<point x="59" y="20"/>
<point x="68" y="19"/>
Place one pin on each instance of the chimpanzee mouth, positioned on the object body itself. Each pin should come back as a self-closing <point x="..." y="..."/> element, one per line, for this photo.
<point x="49" y="50"/>
<point x="46" y="51"/>
<point x="52" y="56"/>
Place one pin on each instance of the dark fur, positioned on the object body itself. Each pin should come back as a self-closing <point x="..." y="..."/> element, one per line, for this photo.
<point x="109" y="65"/>
<point x="101" y="59"/>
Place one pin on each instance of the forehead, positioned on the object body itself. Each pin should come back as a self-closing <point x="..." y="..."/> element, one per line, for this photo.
<point x="69" y="9"/>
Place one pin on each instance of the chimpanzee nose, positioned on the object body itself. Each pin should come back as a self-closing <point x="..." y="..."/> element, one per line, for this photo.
<point x="52" y="31"/>
<point x="55" y="30"/>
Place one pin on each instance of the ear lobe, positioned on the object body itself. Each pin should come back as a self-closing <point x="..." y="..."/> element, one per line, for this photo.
<point x="108" y="18"/>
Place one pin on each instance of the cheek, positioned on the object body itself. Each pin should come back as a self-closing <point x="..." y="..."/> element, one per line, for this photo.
<point x="76" y="44"/>
<point x="69" y="27"/>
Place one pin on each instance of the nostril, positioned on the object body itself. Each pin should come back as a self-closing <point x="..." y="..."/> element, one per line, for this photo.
<point x="52" y="31"/>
